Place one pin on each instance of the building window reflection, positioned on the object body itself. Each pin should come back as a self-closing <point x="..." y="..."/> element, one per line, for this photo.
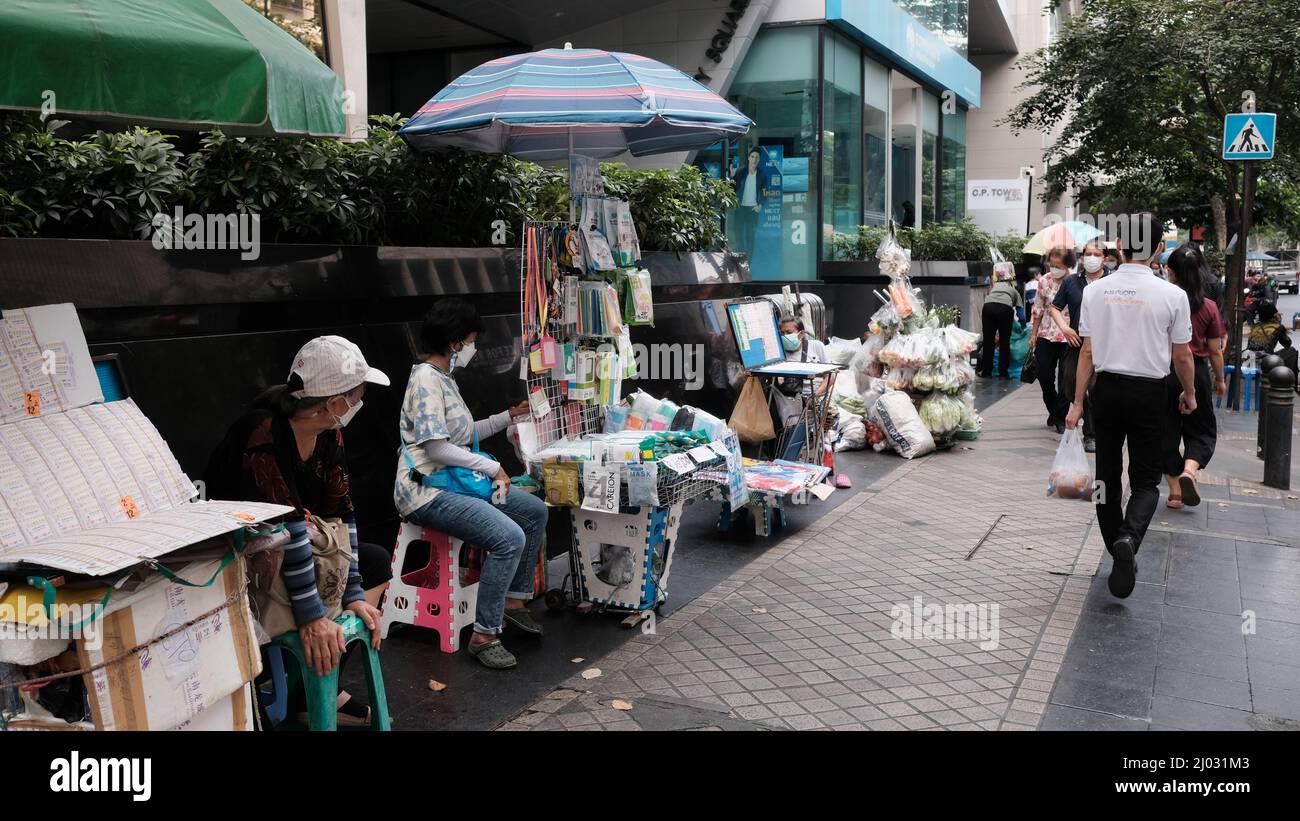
<point x="776" y="87"/>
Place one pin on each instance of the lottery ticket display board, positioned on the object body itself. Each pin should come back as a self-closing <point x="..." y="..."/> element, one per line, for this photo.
<point x="758" y="339"/>
<point x="86" y="486"/>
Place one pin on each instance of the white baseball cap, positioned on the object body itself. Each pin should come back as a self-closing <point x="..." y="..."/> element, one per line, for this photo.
<point x="329" y="365"/>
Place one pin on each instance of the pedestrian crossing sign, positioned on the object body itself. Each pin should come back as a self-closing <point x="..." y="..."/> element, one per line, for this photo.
<point x="1249" y="136"/>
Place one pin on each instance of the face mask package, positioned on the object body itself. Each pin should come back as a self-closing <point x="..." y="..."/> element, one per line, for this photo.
<point x="639" y="309"/>
<point x="641" y="489"/>
<point x="629" y="244"/>
<point x="601" y="483"/>
<point x="560" y="480"/>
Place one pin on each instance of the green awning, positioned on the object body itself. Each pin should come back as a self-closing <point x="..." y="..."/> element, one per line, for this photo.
<point x="177" y="63"/>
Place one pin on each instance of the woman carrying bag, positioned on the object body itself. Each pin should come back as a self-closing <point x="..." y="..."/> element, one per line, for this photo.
<point x="436" y="485"/>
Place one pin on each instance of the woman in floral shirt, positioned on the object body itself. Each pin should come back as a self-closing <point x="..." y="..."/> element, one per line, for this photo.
<point x="1047" y="340"/>
<point x="437" y="429"/>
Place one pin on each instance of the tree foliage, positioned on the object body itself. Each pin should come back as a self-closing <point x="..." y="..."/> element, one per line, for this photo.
<point x="1138" y="90"/>
<point x="371" y="192"/>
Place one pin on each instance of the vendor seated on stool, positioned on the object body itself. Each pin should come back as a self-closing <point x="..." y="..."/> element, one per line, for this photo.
<point x="288" y="450"/>
<point x="798" y="347"/>
<point x="437" y="429"/>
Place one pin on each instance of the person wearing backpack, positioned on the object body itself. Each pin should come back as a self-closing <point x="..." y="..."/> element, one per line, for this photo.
<point x="288" y="450"/>
<point x="436" y="487"/>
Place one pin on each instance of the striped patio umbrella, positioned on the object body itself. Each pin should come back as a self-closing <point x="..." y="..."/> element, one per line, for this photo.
<point x="1068" y="234"/>
<point x="549" y="104"/>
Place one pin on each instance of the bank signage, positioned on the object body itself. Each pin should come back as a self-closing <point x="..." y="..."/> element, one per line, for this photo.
<point x="888" y="29"/>
<point x="996" y="195"/>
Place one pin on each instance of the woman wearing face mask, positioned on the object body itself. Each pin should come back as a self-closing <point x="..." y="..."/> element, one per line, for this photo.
<point x="1065" y="310"/>
<point x="1111" y="258"/>
<point x="437" y="430"/>
<point x="1047" y="339"/>
<point x="289" y="451"/>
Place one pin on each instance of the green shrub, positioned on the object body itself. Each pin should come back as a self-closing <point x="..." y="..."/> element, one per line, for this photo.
<point x="938" y="242"/>
<point x="371" y="192"/>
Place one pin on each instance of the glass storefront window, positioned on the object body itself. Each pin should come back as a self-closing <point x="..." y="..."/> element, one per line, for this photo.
<point x="952" y="200"/>
<point x="875" y="102"/>
<point x="949" y="20"/>
<point x="841" y="140"/>
<point x="929" y="147"/>
<point x="774" y="166"/>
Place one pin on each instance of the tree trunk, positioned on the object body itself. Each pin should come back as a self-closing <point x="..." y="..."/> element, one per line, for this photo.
<point x="1220" y="216"/>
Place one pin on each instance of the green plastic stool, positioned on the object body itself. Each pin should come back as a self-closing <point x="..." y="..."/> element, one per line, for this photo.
<point x="323" y="691"/>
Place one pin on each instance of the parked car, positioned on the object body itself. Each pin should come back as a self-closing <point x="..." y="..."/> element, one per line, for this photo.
<point x="1288" y="282"/>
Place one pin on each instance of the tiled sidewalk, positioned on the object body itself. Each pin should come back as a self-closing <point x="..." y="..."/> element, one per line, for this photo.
<point x="801" y="637"/>
<point x="1210" y="638"/>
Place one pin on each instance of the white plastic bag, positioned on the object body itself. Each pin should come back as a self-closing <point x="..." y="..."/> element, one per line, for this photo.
<point x="1071" y="476"/>
<point x="842" y="351"/>
<point x="902" y="425"/>
<point x="850" y="432"/>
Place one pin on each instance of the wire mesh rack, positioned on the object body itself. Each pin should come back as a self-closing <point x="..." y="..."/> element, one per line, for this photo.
<point x="565" y="416"/>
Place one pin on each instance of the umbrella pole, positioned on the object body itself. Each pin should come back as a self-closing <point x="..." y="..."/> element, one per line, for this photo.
<point x="572" y="210"/>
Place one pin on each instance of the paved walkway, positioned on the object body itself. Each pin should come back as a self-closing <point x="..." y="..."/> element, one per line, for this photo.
<point x="801" y="637"/>
<point x="1210" y="638"/>
<point x="805" y="637"/>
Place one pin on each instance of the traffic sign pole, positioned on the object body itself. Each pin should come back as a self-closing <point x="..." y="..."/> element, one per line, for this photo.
<point x="1237" y="281"/>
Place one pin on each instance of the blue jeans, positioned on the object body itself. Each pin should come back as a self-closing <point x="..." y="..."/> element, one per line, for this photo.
<point x="509" y="534"/>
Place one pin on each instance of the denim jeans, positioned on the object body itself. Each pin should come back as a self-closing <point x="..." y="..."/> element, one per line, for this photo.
<point x="509" y="535"/>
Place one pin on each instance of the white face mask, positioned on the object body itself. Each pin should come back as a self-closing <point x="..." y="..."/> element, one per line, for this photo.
<point x="342" y="421"/>
<point x="1092" y="264"/>
<point x="1057" y="272"/>
<point x="462" y="357"/>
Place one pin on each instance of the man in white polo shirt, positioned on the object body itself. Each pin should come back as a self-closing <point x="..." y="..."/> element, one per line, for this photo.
<point x="1133" y="324"/>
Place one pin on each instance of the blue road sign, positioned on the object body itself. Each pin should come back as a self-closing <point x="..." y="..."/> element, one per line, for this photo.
<point x="1249" y="136"/>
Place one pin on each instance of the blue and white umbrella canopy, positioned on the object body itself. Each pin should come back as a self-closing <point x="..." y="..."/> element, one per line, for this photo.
<point x="548" y="104"/>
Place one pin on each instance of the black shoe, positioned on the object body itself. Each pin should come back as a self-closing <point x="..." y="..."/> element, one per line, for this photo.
<point x="1051" y="421"/>
<point x="1004" y="376"/>
<point x="1090" y="445"/>
<point x="1124" y="573"/>
<point x="1060" y="428"/>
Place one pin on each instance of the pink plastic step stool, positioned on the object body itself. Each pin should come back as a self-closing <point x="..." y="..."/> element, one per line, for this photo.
<point x="431" y="596"/>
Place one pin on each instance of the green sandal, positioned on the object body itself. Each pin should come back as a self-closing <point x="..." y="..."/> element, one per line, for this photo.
<point x="524" y="620"/>
<point x="493" y="655"/>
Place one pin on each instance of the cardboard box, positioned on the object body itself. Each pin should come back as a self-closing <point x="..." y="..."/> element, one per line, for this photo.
<point x="176" y="679"/>
<point x="234" y="712"/>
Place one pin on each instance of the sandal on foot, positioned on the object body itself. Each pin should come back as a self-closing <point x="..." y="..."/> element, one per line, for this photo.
<point x="1191" y="495"/>
<point x="1174" y="503"/>
<point x="493" y="655"/>
<point x="351" y="714"/>
<point x="524" y="620"/>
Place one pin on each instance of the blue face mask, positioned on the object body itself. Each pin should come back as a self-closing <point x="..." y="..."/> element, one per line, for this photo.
<point x="790" y="342"/>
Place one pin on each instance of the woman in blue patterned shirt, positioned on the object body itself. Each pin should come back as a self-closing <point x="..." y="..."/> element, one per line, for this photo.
<point x="436" y="429"/>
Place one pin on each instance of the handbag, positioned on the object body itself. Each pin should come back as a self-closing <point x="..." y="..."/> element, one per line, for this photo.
<point x="1030" y="370"/>
<point x="332" y="556"/>
<point x="750" y="418"/>
<point x="454" y="478"/>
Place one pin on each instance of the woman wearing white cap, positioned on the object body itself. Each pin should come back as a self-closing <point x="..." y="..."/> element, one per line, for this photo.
<point x="436" y="429"/>
<point x="289" y="450"/>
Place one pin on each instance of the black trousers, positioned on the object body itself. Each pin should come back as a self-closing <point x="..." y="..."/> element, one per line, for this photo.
<point x="1128" y="410"/>
<point x="746" y="228"/>
<point x="1069" y="370"/>
<point x="1050" y="356"/>
<point x="1196" y="432"/>
<point x="996" y="319"/>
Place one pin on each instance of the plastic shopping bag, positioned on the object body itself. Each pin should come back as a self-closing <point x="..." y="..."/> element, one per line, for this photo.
<point x="750" y="418"/>
<point x="1071" y="476"/>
